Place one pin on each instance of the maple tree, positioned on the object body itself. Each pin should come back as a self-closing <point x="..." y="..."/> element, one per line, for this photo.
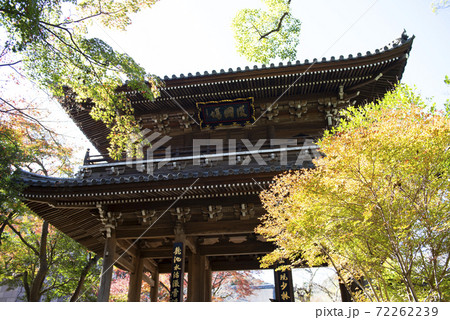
<point x="375" y="207"/>
<point x="233" y="285"/>
<point x="25" y="143"/>
<point x="34" y="255"/>
<point x="51" y="37"/>
<point x="120" y="283"/>
<point x="9" y="189"/>
<point x="119" y="286"/>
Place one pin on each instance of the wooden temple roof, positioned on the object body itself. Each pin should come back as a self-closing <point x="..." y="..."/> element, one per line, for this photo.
<point x="216" y="199"/>
<point x="364" y="77"/>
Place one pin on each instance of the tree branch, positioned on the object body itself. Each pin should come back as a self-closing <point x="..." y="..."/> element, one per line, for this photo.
<point x="25" y="242"/>
<point x="55" y="286"/>
<point x="4" y="223"/>
<point x="10" y="64"/>
<point x="164" y="286"/>
<point x="27" y="116"/>
<point x="83" y="276"/>
<point x="280" y="22"/>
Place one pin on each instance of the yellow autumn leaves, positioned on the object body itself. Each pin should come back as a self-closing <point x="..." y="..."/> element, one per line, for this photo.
<point x="376" y="207"/>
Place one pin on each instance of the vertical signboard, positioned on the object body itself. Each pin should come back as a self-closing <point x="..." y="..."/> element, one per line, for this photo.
<point x="177" y="277"/>
<point x="284" y="289"/>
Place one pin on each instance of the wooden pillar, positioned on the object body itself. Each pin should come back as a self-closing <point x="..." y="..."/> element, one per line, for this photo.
<point x="107" y="269"/>
<point x="155" y="289"/>
<point x="208" y="282"/>
<point x="135" y="285"/>
<point x="199" y="280"/>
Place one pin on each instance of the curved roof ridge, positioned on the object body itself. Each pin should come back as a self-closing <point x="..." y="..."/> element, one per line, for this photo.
<point x="28" y="176"/>
<point x="404" y="39"/>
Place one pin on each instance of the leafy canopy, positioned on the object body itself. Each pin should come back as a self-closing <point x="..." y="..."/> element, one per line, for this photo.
<point x="264" y="35"/>
<point x="376" y="205"/>
<point x="51" y="36"/>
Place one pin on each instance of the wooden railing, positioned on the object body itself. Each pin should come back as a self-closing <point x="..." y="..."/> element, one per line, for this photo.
<point x="206" y="152"/>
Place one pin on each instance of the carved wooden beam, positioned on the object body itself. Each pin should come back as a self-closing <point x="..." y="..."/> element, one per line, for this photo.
<point x="220" y="249"/>
<point x="190" y="229"/>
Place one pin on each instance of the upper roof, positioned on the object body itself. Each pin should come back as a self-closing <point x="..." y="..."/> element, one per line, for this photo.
<point x="371" y="75"/>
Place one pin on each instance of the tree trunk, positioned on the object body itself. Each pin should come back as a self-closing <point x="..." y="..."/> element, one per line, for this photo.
<point x="83" y="275"/>
<point x="36" y="287"/>
<point x="25" y="285"/>
<point x="4" y="223"/>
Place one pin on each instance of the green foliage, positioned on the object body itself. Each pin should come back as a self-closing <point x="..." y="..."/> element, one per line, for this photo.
<point x="22" y="18"/>
<point x="114" y="13"/>
<point x="264" y="35"/>
<point x="20" y="261"/>
<point x="57" y="53"/>
<point x="11" y="155"/>
<point x="376" y="206"/>
<point x="51" y="36"/>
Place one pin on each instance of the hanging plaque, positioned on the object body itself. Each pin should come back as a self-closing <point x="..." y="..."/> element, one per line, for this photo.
<point x="226" y="112"/>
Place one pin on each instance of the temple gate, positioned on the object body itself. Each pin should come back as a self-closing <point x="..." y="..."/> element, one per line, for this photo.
<point x="191" y="204"/>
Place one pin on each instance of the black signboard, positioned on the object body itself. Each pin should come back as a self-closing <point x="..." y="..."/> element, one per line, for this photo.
<point x="226" y="112"/>
<point x="284" y="289"/>
<point x="177" y="277"/>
